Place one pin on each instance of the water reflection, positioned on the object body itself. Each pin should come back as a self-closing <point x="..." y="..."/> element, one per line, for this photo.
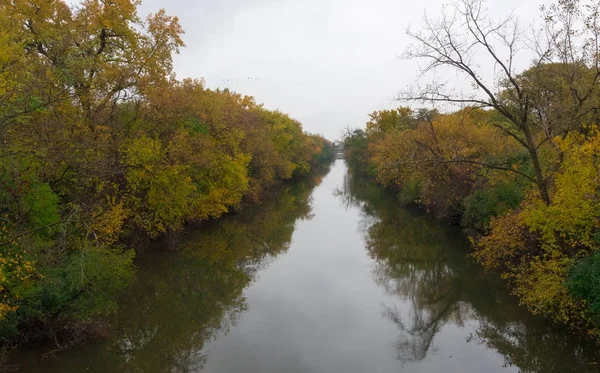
<point x="180" y="303"/>
<point x="183" y="299"/>
<point x="399" y="294"/>
<point x="425" y="267"/>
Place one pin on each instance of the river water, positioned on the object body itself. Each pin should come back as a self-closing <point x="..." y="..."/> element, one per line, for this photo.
<point x="330" y="275"/>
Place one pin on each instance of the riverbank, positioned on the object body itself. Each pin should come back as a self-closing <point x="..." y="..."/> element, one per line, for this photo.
<point x="228" y="246"/>
<point x="459" y="167"/>
<point x="101" y="144"/>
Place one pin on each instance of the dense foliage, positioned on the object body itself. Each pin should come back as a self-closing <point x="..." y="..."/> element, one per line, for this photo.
<point x="100" y="143"/>
<point x="460" y="167"/>
<point x="422" y="264"/>
<point x="519" y="168"/>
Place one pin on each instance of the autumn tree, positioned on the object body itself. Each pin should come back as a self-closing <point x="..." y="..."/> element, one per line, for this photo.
<point x="437" y="163"/>
<point x="100" y="144"/>
<point x="468" y="41"/>
<point x="386" y="120"/>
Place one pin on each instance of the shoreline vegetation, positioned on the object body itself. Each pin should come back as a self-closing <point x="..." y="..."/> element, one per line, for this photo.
<point x="101" y="144"/>
<point x="517" y="164"/>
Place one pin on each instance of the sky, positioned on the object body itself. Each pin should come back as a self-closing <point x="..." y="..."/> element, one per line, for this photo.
<point x="327" y="63"/>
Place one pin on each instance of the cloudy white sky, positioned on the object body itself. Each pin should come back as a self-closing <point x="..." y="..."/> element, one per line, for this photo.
<point x="327" y="63"/>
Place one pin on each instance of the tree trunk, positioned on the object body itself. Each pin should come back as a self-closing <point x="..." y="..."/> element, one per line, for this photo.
<point x="537" y="168"/>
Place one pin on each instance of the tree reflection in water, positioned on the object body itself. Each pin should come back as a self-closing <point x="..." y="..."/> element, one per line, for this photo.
<point x="426" y="267"/>
<point x="185" y="298"/>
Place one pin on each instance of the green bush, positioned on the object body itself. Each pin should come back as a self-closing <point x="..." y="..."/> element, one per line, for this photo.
<point x="584" y="283"/>
<point x="410" y="192"/>
<point x="483" y="204"/>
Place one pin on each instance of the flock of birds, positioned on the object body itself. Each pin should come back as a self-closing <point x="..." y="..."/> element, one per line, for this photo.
<point x="241" y="79"/>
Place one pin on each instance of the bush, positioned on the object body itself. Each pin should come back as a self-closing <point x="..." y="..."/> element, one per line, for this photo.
<point x="584" y="282"/>
<point x="410" y="192"/>
<point x="482" y="205"/>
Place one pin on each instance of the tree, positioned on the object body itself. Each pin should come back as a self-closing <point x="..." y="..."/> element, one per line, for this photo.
<point x="356" y="150"/>
<point x="466" y="40"/>
<point x="437" y="162"/>
<point x="386" y="120"/>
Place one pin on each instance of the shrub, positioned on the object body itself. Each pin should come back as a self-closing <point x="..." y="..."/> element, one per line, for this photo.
<point x="495" y="200"/>
<point x="584" y="282"/>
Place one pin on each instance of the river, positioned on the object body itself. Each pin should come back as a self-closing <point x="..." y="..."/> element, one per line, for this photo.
<point x="329" y="275"/>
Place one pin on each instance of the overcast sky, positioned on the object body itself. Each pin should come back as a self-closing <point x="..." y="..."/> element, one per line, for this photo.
<point x="327" y="63"/>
